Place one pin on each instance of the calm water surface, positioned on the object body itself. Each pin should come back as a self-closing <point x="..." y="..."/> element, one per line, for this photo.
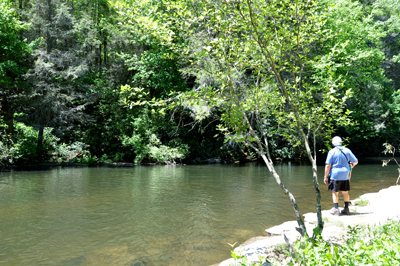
<point x="158" y="215"/>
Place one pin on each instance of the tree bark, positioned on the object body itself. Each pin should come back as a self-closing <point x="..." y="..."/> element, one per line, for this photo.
<point x="105" y="47"/>
<point x="9" y="115"/>
<point x="302" y="228"/>
<point x="48" y="35"/>
<point x="270" y="60"/>
<point x="268" y="161"/>
<point x="318" y="196"/>
<point x="100" y="61"/>
<point x="39" y="149"/>
<point x="10" y="121"/>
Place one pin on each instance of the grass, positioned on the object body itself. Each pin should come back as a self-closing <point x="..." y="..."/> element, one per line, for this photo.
<point x="379" y="245"/>
<point x="337" y="223"/>
<point x="361" y="202"/>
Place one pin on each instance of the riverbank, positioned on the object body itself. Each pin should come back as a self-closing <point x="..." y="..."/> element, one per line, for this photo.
<point x="100" y="162"/>
<point x="379" y="207"/>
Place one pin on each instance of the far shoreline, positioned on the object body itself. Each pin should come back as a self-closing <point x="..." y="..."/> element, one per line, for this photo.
<point x="99" y="162"/>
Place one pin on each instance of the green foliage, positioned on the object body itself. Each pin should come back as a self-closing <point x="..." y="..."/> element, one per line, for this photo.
<point x="27" y="138"/>
<point x="241" y="260"/>
<point x="76" y="151"/>
<point x="378" y="245"/>
<point x="22" y="147"/>
<point x="395" y="108"/>
<point x="13" y="49"/>
<point x="391" y="150"/>
<point x="361" y="202"/>
<point x="111" y="121"/>
<point x="252" y="56"/>
<point x="155" y="69"/>
<point x="8" y="152"/>
<point x="145" y="139"/>
<point x="360" y="64"/>
<point x="389" y="14"/>
<point x="234" y="63"/>
<point x="252" y="60"/>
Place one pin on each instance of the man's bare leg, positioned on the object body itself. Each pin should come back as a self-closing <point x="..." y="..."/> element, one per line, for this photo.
<point x="346" y="196"/>
<point x="335" y="197"/>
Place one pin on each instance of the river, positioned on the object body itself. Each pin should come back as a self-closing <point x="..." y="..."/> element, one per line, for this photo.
<point x="153" y="215"/>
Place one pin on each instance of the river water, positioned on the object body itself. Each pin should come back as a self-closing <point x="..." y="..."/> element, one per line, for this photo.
<point x="153" y="215"/>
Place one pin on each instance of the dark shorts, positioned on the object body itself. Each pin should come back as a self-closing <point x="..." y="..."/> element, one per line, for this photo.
<point x="337" y="186"/>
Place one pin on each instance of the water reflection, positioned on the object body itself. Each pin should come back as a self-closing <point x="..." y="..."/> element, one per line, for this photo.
<point x="183" y="215"/>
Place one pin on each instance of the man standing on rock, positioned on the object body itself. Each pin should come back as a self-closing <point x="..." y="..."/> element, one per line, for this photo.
<point x="339" y="163"/>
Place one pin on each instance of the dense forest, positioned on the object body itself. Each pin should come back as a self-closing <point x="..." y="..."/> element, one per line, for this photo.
<point x="96" y="80"/>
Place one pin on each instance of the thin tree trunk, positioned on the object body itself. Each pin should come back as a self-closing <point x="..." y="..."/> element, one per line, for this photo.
<point x="40" y="118"/>
<point x="10" y="120"/>
<point x="270" y="60"/>
<point x="316" y="187"/>
<point x="318" y="196"/>
<point x="9" y="115"/>
<point x="48" y="35"/>
<point x="302" y="228"/>
<point x="100" y="55"/>
<point x="105" y="48"/>
<point x="39" y="149"/>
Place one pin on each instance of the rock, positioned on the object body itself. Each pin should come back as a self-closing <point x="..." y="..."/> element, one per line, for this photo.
<point x="282" y="228"/>
<point x="213" y="160"/>
<point x="382" y="206"/>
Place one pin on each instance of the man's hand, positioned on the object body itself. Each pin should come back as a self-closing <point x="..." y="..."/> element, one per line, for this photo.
<point x="327" y="171"/>
<point x="353" y="164"/>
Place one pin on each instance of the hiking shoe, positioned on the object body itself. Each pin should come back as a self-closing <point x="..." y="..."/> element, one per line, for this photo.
<point x="334" y="211"/>
<point x="345" y="211"/>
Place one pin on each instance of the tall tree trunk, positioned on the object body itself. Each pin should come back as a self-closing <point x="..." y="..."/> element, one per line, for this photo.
<point x="40" y="118"/>
<point x="105" y="47"/>
<point x="276" y="70"/>
<point x="268" y="161"/>
<point x="318" y="195"/>
<point x="10" y="120"/>
<point x="48" y="35"/>
<point x="302" y="228"/>
<point x="9" y="115"/>
<point x="100" y="55"/>
<point x="39" y="149"/>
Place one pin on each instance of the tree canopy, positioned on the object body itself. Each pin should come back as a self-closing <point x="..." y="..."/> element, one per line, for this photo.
<point x="211" y="76"/>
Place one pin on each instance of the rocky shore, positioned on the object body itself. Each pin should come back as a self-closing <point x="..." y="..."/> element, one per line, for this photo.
<point x="379" y="207"/>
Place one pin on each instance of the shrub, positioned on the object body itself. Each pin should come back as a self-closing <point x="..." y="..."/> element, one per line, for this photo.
<point x="145" y="140"/>
<point x="8" y="152"/>
<point x="363" y="246"/>
<point x="361" y="202"/>
<point x="27" y="140"/>
<point x="22" y="147"/>
<point x="75" y="151"/>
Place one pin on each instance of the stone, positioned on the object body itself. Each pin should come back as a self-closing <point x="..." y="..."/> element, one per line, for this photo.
<point x="383" y="205"/>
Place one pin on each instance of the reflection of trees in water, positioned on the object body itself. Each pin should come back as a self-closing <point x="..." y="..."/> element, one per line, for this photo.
<point x="153" y="214"/>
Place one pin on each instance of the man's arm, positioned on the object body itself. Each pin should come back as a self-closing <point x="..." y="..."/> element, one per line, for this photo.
<point x="327" y="171"/>
<point x="353" y="159"/>
<point x="353" y="164"/>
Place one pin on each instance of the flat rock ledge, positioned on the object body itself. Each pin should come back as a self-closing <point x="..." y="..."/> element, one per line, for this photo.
<point x="382" y="206"/>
